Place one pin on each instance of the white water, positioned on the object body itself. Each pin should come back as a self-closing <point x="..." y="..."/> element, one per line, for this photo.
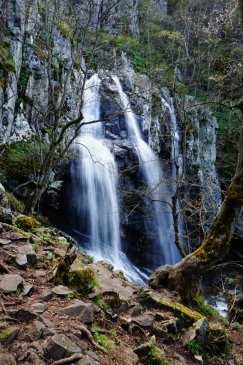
<point x="158" y="190"/>
<point x="94" y="188"/>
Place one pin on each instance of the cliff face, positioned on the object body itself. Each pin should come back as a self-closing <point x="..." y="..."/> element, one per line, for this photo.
<point x="25" y="92"/>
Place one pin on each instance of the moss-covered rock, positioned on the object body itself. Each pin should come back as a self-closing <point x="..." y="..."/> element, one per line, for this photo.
<point x="149" y="353"/>
<point x="82" y="279"/>
<point x="26" y="222"/>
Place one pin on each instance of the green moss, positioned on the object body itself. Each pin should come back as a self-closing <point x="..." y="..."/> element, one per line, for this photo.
<point x="154" y="357"/>
<point x="26" y="222"/>
<point x="64" y="28"/>
<point x="25" y="73"/>
<point x="181" y="309"/>
<point x="15" y="204"/>
<point x="83" y="280"/>
<point x="4" y="332"/>
<point x="194" y="347"/>
<point x="6" y="60"/>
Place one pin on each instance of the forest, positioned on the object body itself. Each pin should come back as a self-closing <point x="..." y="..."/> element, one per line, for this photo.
<point x="121" y="182"/>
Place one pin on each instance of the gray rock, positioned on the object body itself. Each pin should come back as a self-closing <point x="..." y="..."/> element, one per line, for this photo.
<point x="199" y="359"/>
<point x="2" y="192"/>
<point x="21" y="261"/>
<point x="60" y="347"/>
<point x="39" y="307"/>
<point x="6" y="215"/>
<point x="6" y="359"/>
<point x="25" y="314"/>
<point x="197" y="331"/>
<point x="35" y="359"/>
<point x="41" y="331"/>
<point x="10" y="283"/>
<point x="27" y="289"/>
<point x="29" y="252"/>
<point x="4" y="242"/>
<point x="46" y="295"/>
<point x="145" y="320"/>
<point x="81" y="310"/>
<point x="62" y="291"/>
<point x="10" y="334"/>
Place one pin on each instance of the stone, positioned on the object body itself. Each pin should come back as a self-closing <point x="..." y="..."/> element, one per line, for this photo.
<point x="10" y="283"/>
<point x="6" y="215"/>
<point x="87" y="360"/>
<point x="24" y="314"/>
<point x="197" y="331"/>
<point x="6" y="359"/>
<point x="60" y="347"/>
<point x="81" y="310"/>
<point x="21" y="261"/>
<point x="29" y="252"/>
<point x="46" y="321"/>
<point x="41" y="331"/>
<point x="34" y="359"/>
<point x="145" y="320"/>
<point x="62" y="291"/>
<point x="149" y="351"/>
<point x="4" y="242"/>
<point x="46" y="295"/>
<point x="27" y="289"/>
<point x="39" y="307"/>
<point x="199" y="359"/>
<point x="9" y="333"/>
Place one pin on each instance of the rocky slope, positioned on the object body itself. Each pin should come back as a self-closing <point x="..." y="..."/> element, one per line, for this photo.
<point x="96" y="316"/>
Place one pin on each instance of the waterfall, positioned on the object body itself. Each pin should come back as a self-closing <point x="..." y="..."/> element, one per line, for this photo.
<point x="158" y="189"/>
<point x="94" y="180"/>
<point x="176" y="158"/>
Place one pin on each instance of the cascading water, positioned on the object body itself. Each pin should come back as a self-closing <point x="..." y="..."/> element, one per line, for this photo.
<point x="94" y="198"/>
<point x="176" y="158"/>
<point x="160" y="211"/>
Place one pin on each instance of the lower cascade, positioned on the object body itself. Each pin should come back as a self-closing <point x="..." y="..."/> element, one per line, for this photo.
<point x="94" y="202"/>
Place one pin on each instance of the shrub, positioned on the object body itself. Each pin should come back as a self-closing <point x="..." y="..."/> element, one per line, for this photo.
<point x="6" y="60"/>
<point x="26" y="222"/>
<point x="84" y="280"/>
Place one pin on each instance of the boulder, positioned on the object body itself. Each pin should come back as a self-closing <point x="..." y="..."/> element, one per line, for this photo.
<point x="79" y="309"/>
<point x="10" y="283"/>
<point x="149" y="353"/>
<point x="21" y="261"/>
<point x="29" y="252"/>
<point x="62" y="291"/>
<point x="8" y="334"/>
<point x="39" y="307"/>
<point x="198" y="331"/>
<point x="24" y="315"/>
<point x="60" y="347"/>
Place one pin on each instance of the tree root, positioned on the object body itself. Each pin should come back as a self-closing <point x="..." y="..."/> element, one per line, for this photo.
<point x="68" y="360"/>
<point x="90" y="337"/>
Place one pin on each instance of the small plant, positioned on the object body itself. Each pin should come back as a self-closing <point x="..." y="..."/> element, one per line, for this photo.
<point x="26" y="222"/>
<point x="100" y="338"/>
<point x="194" y="347"/>
<point x="6" y="60"/>
<point x="206" y="308"/>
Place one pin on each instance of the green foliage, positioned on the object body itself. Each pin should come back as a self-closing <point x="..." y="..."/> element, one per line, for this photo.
<point x="206" y="309"/>
<point x="194" y="347"/>
<point x="100" y="338"/>
<point x="6" y="60"/>
<point x="227" y="137"/>
<point x="25" y="73"/>
<point x="64" y="28"/>
<point x="26" y="222"/>
<point x="22" y="159"/>
<point x="84" y="280"/>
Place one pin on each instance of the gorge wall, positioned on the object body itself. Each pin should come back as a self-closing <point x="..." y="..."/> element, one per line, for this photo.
<point x="24" y="95"/>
